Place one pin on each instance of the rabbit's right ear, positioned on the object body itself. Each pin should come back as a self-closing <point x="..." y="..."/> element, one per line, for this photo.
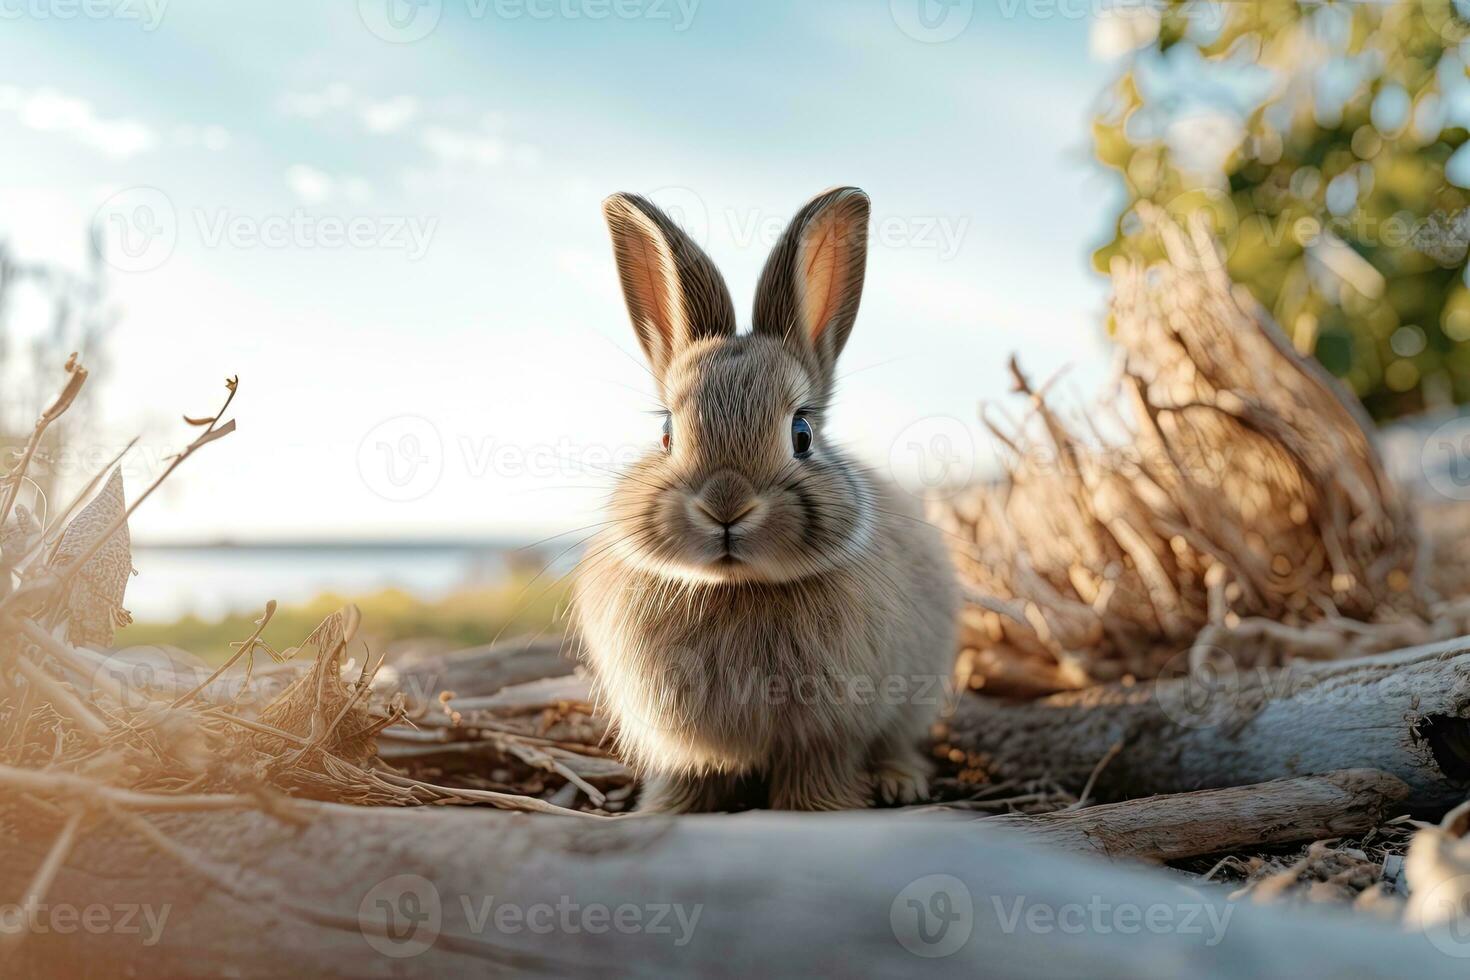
<point x="675" y="294"/>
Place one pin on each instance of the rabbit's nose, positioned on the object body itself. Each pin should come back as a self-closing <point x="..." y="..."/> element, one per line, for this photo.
<point x="726" y="519"/>
<point x="726" y="499"/>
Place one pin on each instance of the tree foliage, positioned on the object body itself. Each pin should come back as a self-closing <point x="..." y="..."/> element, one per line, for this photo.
<point x="1322" y="138"/>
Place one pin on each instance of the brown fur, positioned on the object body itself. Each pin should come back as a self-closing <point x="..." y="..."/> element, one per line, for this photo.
<point x="764" y="628"/>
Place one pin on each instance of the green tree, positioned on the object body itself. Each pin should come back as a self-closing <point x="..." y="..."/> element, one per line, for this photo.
<point x="1320" y="136"/>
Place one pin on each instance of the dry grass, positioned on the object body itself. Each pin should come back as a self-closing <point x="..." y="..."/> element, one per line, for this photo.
<point x="1229" y="503"/>
<point x="87" y="736"/>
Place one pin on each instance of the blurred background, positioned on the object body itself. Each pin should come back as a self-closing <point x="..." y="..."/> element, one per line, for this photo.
<point x="383" y="215"/>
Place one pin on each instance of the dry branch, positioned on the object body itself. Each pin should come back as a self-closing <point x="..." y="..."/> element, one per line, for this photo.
<point x="481" y="670"/>
<point x="1212" y="821"/>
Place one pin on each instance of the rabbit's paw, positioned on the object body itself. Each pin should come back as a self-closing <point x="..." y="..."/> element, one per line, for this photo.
<point x="899" y="782"/>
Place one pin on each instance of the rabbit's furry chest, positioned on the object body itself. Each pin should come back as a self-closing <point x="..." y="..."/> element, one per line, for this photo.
<point x="724" y="678"/>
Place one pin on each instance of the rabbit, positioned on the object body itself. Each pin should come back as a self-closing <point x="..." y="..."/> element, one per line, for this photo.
<point x="767" y="621"/>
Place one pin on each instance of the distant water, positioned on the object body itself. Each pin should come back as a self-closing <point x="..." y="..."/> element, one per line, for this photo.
<point x="211" y="581"/>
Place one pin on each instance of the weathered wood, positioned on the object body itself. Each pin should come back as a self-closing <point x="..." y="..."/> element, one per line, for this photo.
<point x="1403" y="713"/>
<point x="1210" y="821"/>
<point x="1406" y="714"/>
<point x="774" y="894"/>
<point x="483" y="670"/>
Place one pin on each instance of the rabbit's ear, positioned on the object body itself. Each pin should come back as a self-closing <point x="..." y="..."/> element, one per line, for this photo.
<point x="809" y="292"/>
<point x="675" y="294"/>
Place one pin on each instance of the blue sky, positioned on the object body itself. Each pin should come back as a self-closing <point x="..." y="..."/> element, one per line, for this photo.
<point x="398" y="245"/>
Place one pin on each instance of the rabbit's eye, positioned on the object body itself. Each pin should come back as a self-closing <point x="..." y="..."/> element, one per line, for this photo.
<point x="801" y="437"/>
<point x="667" y="440"/>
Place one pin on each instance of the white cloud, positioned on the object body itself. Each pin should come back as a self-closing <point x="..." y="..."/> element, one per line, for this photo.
<point x="214" y="138"/>
<point x="377" y="116"/>
<point x="46" y="110"/>
<point x="311" y="105"/>
<point x="313" y="186"/>
<point x="462" y="146"/>
<point x="309" y="184"/>
<point x="390" y="115"/>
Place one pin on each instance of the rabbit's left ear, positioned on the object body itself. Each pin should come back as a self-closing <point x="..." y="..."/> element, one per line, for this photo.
<point x="675" y="295"/>
<point x="810" y="289"/>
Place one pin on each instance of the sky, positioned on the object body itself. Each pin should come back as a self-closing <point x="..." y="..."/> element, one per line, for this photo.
<point x="383" y="216"/>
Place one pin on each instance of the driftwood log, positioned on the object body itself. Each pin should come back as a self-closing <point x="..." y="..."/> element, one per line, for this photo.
<point x="1406" y="714"/>
<point x="1211" y="821"/>
<point x="379" y="892"/>
<point x="481" y="670"/>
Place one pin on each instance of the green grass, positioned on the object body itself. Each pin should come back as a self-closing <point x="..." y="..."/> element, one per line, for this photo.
<point x="464" y="619"/>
